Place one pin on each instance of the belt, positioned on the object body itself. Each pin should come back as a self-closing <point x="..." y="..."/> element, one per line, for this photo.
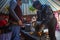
<point x="14" y="23"/>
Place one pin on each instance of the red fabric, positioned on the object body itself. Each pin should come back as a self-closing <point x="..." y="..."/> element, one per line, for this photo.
<point x="18" y="11"/>
<point x="28" y="19"/>
<point x="3" y="23"/>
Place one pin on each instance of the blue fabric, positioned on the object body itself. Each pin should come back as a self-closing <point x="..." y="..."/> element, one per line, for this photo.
<point x="13" y="4"/>
<point x="15" y="32"/>
<point x="6" y="36"/>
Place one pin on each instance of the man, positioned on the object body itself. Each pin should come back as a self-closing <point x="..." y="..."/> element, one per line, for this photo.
<point x="15" y="19"/>
<point x="45" y="14"/>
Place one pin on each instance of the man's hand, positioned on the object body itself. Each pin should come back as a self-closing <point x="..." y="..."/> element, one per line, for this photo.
<point x="20" y="23"/>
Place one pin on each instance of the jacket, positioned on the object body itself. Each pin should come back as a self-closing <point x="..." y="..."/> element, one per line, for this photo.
<point x="15" y="13"/>
<point x="45" y="14"/>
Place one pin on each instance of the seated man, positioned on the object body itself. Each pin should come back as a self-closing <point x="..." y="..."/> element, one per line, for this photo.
<point x="45" y="14"/>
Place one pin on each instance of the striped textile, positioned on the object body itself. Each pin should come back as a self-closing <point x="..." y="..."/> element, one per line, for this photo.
<point x="6" y="36"/>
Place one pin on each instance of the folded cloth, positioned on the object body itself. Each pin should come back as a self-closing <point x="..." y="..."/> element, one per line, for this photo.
<point x="3" y="23"/>
<point x="6" y="36"/>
